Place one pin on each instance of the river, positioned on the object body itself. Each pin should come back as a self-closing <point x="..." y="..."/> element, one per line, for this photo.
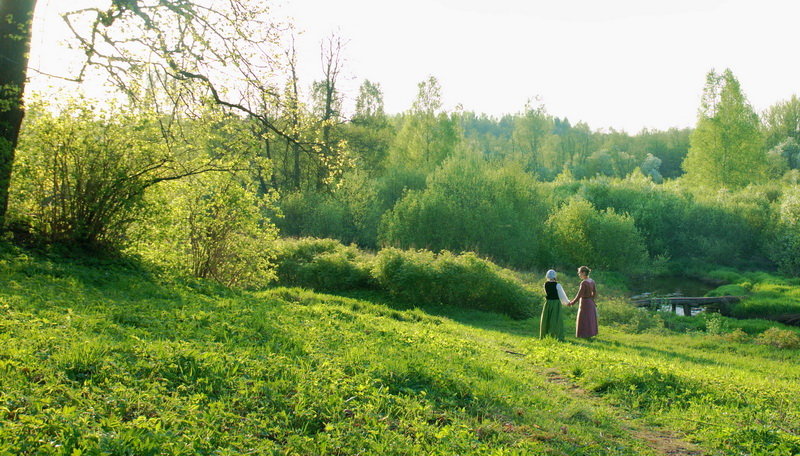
<point x="665" y="286"/>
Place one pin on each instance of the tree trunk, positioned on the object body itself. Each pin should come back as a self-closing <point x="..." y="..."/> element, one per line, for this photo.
<point x="16" y="17"/>
<point x="296" y="172"/>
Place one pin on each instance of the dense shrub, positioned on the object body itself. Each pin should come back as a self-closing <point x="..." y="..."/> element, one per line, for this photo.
<point x="314" y="214"/>
<point x="351" y="213"/>
<point x="583" y="235"/>
<point x="81" y="175"/>
<point x="780" y="338"/>
<point x="360" y="195"/>
<point x="458" y="280"/>
<point x="394" y="183"/>
<point x="723" y="228"/>
<point x="322" y="264"/>
<point x="656" y="211"/>
<point x="211" y="226"/>
<point x="629" y="318"/>
<point x="416" y="276"/>
<point x="785" y="250"/>
<point x="469" y="205"/>
<point x="79" y="178"/>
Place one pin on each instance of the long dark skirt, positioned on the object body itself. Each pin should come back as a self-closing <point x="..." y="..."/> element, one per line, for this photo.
<point x="586" y="326"/>
<point x="551" y="323"/>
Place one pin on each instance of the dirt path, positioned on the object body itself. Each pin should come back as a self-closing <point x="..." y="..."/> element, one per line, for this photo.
<point x="659" y="440"/>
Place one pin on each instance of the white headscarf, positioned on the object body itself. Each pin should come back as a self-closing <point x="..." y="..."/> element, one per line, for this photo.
<point x="551" y="274"/>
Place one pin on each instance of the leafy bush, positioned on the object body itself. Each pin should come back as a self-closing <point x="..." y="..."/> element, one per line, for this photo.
<point x="457" y="280"/>
<point x="313" y="214"/>
<point x="726" y="228"/>
<point x="736" y="336"/>
<point x="780" y="338"/>
<point x="350" y="214"/>
<point x="470" y="206"/>
<point x="210" y="226"/>
<point x="80" y="176"/>
<point x="583" y="235"/>
<point x="716" y="324"/>
<point x="785" y="250"/>
<point x="361" y="197"/>
<point x="627" y="317"/>
<point x="322" y="264"/>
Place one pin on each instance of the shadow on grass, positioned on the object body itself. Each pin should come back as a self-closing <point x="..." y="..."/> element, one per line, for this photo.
<point x="645" y="351"/>
<point x="528" y="328"/>
<point x="76" y="278"/>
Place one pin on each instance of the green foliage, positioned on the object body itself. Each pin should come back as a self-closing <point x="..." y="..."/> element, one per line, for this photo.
<point x="313" y="214"/>
<point x="726" y="229"/>
<point x="363" y="206"/>
<point x="350" y="214"/>
<point x="785" y="250"/>
<point x="210" y="226"/>
<point x="418" y="278"/>
<point x="80" y="176"/>
<point x="469" y="206"/>
<point x="322" y="264"/>
<point x="629" y="318"/>
<point x="782" y="124"/>
<point x="716" y="324"/>
<point x="89" y="178"/>
<point x="428" y="135"/>
<point x="531" y="130"/>
<point x="394" y="184"/>
<point x="726" y="146"/>
<point x="779" y="338"/>
<point x="286" y="371"/>
<point x="603" y="239"/>
<point x="766" y="295"/>
<point x="463" y="281"/>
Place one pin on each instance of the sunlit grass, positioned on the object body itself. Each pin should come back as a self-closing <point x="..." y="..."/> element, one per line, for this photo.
<point x="105" y="358"/>
<point x="767" y="295"/>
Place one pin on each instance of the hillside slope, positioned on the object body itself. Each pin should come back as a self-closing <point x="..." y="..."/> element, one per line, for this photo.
<point x="105" y="359"/>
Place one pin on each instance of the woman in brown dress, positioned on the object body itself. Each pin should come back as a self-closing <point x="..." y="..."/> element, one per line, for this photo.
<point x="586" y="326"/>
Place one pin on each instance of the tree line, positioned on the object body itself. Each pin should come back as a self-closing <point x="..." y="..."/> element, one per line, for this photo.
<point x="200" y="171"/>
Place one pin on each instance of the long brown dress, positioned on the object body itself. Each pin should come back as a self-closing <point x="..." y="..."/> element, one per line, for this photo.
<point x="586" y="326"/>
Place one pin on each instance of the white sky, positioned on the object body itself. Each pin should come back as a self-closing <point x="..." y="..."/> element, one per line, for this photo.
<point x="625" y="64"/>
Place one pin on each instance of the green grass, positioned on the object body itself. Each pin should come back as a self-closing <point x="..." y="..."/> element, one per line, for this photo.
<point x="767" y="295"/>
<point x="103" y="358"/>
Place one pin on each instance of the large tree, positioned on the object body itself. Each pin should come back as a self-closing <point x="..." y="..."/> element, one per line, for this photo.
<point x="727" y="146"/>
<point x="15" y="37"/>
<point x="782" y="121"/>
<point x="531" y="130"/>
<point x="428" y="136"/>
<point x="369" y="133"/>
<point x="227" y="52"/>
<point x="369" y="103"/>
<point x="328" y="106"/>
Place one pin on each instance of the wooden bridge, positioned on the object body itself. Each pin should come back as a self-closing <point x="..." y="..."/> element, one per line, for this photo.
<point x="687" y="302"/>
<point x="717" y="303"/>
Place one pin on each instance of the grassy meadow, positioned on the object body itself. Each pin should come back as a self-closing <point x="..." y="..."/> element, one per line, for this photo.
<point x="767" y="295"/>
<point x="228" y="255"/>
<point x="103" y="357"/>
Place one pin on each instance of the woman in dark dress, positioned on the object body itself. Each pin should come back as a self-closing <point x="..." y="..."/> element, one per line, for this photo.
<point x="551" y="324"/>
<point x="586" y="326"/>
